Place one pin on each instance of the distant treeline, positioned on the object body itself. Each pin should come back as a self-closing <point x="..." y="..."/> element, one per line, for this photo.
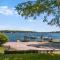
<point x="9" y="31"/>
<point x="14" y="31"/>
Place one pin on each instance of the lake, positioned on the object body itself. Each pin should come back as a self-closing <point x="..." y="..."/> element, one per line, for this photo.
<point x="13" y="36"/>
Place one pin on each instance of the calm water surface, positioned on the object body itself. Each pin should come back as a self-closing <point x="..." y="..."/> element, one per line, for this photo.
<point x="20" y="35"/>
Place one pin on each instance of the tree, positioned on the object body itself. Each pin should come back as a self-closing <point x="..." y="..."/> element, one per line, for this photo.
<point x="3" y="38"/>
<point x="38" y="7"/>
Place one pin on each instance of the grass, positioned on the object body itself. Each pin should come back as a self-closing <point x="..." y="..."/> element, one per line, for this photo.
<point x="29" y="56"/>
<point x="1" y="49"/>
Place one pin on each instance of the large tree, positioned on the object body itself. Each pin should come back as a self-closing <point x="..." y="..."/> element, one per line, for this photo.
<point x="38" y="7"/>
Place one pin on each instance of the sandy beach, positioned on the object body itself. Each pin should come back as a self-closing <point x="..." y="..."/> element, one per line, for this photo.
<point x="26" y="46"/>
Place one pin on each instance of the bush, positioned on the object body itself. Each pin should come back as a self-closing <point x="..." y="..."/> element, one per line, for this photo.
<point x="3" y="38"/>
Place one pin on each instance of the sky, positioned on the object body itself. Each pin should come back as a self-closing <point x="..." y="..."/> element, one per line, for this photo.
<point x="10" y="20"/>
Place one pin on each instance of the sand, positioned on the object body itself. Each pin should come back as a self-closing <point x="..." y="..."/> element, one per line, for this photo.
<point x="25" y="46"/>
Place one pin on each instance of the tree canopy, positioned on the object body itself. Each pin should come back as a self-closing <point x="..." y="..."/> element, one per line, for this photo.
<point x="38" y="7"/>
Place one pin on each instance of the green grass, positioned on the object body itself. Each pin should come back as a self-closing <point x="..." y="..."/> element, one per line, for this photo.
<point x="29" y="56"/>
<point x="1" y="50"/>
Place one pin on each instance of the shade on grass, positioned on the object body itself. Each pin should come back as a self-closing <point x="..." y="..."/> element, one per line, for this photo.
<point x="29" y="56"/>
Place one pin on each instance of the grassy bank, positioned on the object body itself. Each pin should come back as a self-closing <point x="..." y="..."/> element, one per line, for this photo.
<point x="29" y="56"/>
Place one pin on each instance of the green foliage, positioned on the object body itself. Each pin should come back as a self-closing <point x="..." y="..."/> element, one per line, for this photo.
<point x="38" y="7"/>
<point x="3" y="38"/>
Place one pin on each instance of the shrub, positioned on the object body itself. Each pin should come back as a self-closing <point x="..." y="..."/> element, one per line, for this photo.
<point x="3" y="38"/>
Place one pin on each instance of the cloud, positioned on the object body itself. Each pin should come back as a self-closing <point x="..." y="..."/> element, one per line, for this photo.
<point x="8" y="27"/>
<point x="5" y="10"/>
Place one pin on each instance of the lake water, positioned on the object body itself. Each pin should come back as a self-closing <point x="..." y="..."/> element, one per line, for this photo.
<point x="20" y="35"/>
